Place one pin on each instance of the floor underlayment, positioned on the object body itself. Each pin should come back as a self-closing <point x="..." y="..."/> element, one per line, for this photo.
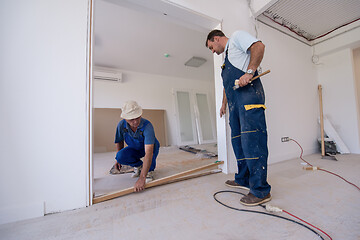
<point x="171" y="160"/>
<point x="187" y="210"/>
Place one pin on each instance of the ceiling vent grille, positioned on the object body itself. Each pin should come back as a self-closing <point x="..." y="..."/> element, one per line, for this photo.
<point x="311" y="19"/>
<point x="195" y="62"/>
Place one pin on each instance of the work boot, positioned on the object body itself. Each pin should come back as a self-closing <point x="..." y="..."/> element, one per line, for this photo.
<point x="149" y="176"/>
<point x="251" y="200"/>
<point x="233" y="184"/>
<point x="137" y="171"/>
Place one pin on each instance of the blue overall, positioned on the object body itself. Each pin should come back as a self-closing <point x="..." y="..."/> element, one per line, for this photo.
<point x="248" y="130"/>
<point x="135" y="150"/>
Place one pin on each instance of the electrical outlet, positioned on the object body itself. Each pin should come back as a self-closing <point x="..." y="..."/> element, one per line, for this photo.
<point x="285" y="139"/>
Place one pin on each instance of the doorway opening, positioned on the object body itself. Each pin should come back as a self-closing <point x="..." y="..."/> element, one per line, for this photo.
<point x="149" y="44"/>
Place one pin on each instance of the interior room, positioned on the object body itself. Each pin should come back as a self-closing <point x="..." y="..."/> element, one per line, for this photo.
<point x="75" y="63"/>
<point x="177" y="97"/>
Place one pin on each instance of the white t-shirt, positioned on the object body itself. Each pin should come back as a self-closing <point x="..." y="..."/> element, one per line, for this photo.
<point x="238" y="45"/>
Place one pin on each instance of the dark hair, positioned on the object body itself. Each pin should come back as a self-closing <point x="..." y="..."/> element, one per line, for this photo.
<point x="212" y="34"/>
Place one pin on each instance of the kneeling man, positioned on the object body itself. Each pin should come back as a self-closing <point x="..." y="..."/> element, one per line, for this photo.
<point x="139" y="135"/>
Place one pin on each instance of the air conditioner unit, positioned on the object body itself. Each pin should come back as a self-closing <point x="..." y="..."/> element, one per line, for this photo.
<point x="113" y="76"/>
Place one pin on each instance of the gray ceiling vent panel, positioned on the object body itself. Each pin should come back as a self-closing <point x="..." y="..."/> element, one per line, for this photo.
<point x="311" y="19"/>
<point x="195" y="62"/>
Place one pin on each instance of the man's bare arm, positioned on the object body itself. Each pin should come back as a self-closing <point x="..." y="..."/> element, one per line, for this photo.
<point x="140" y="183"/>
<point x="256" y="55"/>
<point x="119" y="146"/>
<point x="223" y="105"/>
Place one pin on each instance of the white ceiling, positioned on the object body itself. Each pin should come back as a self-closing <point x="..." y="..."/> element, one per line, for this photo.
<point x="135" y="35"/>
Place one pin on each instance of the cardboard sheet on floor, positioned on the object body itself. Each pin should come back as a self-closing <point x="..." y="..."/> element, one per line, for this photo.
<point x="331" y="132"/>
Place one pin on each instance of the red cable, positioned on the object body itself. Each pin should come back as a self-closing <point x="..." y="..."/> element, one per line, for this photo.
<point x="321" y="169"/>
<point x="307" y="223"/>
<point x="302" y="151"/>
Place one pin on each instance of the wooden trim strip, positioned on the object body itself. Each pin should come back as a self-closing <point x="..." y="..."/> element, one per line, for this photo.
<point x="158" y="182"/>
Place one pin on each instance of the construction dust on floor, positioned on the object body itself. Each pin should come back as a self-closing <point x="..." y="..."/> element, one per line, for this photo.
<point x="187" y="210"/>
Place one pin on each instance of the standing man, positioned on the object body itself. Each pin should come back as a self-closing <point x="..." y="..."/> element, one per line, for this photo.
<point x="138" y="133"/>
<point x="243" y="55"/>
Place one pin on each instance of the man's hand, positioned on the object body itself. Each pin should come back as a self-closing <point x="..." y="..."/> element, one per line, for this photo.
<point x="115" y="169"/>
<point x="223" y="110"/>
<point x="245" y="79"/>
<point x="117" y="166"/>
<point x="140" y="184"/>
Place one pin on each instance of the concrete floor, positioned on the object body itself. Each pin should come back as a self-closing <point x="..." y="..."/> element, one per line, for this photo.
<point x="187" y="210"/>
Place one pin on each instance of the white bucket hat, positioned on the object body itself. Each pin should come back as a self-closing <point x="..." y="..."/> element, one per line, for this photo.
<point x="131" y="110"/>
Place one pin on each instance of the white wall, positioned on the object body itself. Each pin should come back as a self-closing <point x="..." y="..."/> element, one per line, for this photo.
<point x="291" y="95"/>
<point x="235" y="14"/>
<point x="356" y="55"/>
<point x="259" y="6"/>
<point x="42" y="107"/>
<point x="151" y="92"/>
<point x="336" y="75"/>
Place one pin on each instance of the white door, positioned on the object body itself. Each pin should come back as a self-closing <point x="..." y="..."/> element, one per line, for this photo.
<point x="194" y="121"/>
<point x="186" y="118"/>
<point x="204" y="121"/>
